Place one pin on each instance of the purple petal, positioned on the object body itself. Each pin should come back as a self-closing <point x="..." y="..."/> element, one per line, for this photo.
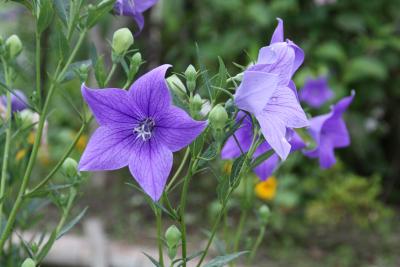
<point x="278" y="58"/>
<point x="267" y="168"/>
<point x="255" y="90"/>
<point x="316" y="92"/>
<point x="243" y="136"/>
<point x="138" y="17"/>
<point x="177" y="129"/>
<point x="109" y="148"/>
<point x="150" y="92"/>
<point x="111" y="105"/>
<point x="150" y="165"/>
<point x="143" y="5"/>
<point x="298" y="56"/>
<point x="277" y="36"/>
<point x="326" y="154"/>
<point x="18" y="101"/>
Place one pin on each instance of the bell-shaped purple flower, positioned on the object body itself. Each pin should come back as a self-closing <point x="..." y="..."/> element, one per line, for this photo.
<point x="329" y="132"/>
<point x="268" y="92"/>
<point x="241" y="141"/>
<point x="18" y="101"/>
<point x="134" y="9"/>
<point x="316" y="92"/>
<point x="139" y="128"/>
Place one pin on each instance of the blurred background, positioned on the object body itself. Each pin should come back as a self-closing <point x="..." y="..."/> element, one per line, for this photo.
<point x="345" y="216"/>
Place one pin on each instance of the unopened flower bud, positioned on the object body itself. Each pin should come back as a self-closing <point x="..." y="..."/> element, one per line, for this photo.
<point x="218" y="117"/>
<point x="13" y="46"/>
<point x="70" y="167"/>
<point x="83" y="72"/>
<point x="176" y="86"/>
<point x="173" y="236"/>
<point x="197" y="102"/>
<point x="122" y="40"/>
<point x="191" y="76"/>
<point x="136" y="61"/>
<point x="28" y="263"/>
<point x="264" y="214"/>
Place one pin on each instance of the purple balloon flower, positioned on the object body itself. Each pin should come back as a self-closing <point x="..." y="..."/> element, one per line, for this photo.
<point x="134" y="9"/>
<point x="244" y="135"/>
<point x="139" y="128"/>
<point x="316" y="92"/>
<point x="18" y="101"/>
<point x="268" y="92"/>
<point x="329" y="132"/>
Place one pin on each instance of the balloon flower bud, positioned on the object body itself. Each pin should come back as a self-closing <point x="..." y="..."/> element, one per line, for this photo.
<point x="176" y="86"/>
<point x="191" y="76"/>
<point x="70" y="167"/>
<point x="122" y="40"/>
<point x="173" y="236"/>
<point x="136" y="61"/>
<point x="264" y="214"/>
<point x="197" y="103"/>
<point x="13" y="46"/>
<point x="218" y="117"/>
<point x="28" y="263"/>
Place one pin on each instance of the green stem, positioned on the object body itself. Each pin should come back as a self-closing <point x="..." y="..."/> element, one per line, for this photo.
<point x="7" y="143"/>
<point x="60" y="162"/>
<point x="32" y="159"/>
<point x="242" y="171"/>
<point x="45" y="250"/>
<point x="158" y="213"/>
<point x="178" y="171"/>
<point x="254" y="249"/>
<point x="110" y="74"/>
<point x="239" y="230"/>
<point x="38" y="69"/>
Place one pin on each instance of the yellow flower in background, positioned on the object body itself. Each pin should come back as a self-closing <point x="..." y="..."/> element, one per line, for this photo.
<point x="20" y="154"/>
<point x="31" y="138"/>
<point x="227" y="167"/>
<point x="266" y="190"/>
<point x="81" y="144"/>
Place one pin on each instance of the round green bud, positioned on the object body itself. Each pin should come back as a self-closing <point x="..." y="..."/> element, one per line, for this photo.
<point x="197" y="102"/>
<point x="70" y="167"/>
<point x="173" y="236"/>
<point x="28" y="263"/>
<point x="191" y="73"/>
<point x="218" y="117"/>
<point x="122" y="40"/>
<point x="264" y="214"/>
<point x="176" y="86"/>
<point x="13" y="46"/>
<point x="136" y="59"/>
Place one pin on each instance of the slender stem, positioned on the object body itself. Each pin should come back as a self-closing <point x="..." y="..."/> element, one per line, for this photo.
<point x="254" y="249"/>
<point x="242" y="171"/>
<point x="38" y="69"/>
<point x="158" y="213"/>
<point x="60" y="162"/>
<point x="243" y="218"/>
<point x="45" y="250"/>
<point x="36" y="145"/>
<point x="6" y="145"/>
<point x="178" y="171"/>
<point x="110" y="74"/>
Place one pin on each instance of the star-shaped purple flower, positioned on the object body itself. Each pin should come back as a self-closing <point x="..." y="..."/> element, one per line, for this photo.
<point x="316" y="92"/>
<point x="234" y="148"/>
<point x="134" y="9"/>
<point x="139" y="128"/>
<point x="329" y="132"/>
<point x="268" y="92"/>
<point x="18" y="101"/>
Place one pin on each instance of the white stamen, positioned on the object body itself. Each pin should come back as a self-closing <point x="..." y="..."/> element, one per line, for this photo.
<point x="145" y="129"/>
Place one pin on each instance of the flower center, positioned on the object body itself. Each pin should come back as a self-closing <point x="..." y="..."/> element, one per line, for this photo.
<point x="144" y="129"/>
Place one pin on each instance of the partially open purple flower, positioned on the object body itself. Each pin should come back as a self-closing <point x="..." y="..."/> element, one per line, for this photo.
<point x="134" y="9"/>
<point x="18" y="101"/>
<point x="268" y="92"/>
<point x="233" y="148"/>
<point x="329" y="132"/>
<point x="139" y="128"/>
<point x="316" y="92"/>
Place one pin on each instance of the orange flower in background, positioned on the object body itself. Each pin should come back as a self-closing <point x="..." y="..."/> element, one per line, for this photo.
<point x="266" y="190"/>
<point x="227" y="167"/>
<point x="20" y="154"/>
<point x="81" y="144"/>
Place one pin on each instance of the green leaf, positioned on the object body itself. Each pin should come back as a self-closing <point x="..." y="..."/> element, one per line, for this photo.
<point x="365" y="68"/>
<point x="191" y="257"/>
<point x="223" y="260"/>
<point x="61" y="43"/>
<point x="61" y="7"/>
<point x="261" y="158"/>
<point x="237" y="165"/>
<point x="100" y="71"/>
<point x="152" y="260"/>
<point x="45" y="14"/>
<point x="172" y="214"/>
<point x="222" y="76"/>
<point x="72" y="223"/>
<point x="97" y="12"/>
<point x="209" y="154"/>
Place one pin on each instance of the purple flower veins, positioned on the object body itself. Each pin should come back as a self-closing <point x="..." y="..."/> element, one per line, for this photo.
<point x="139" y="128"/>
